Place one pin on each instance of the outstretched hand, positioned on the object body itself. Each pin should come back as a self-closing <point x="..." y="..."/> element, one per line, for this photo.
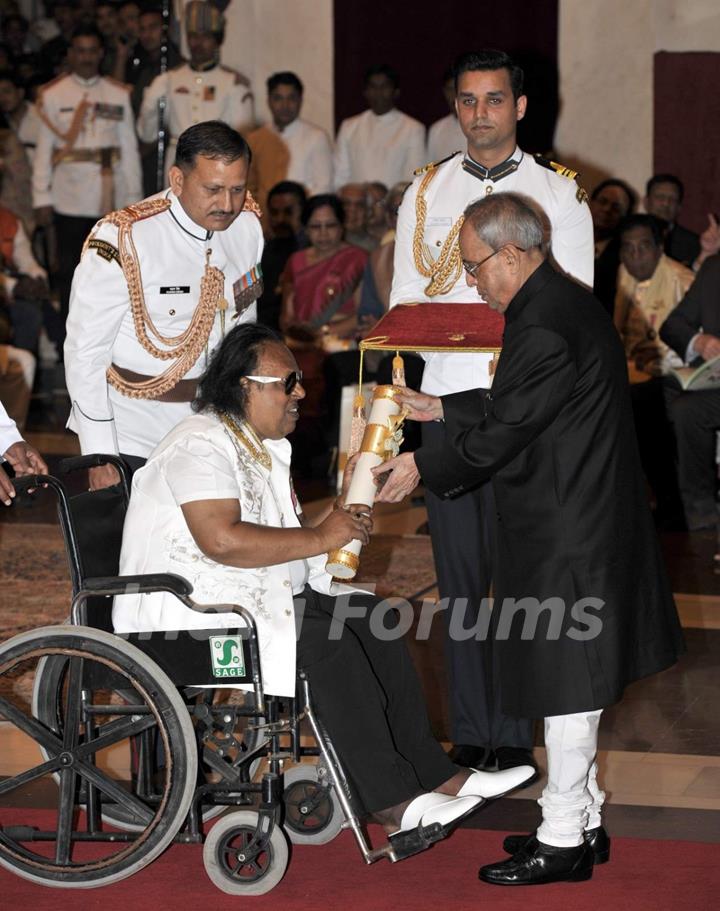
<point x="420" y="407"/>
<point x="25" y="460"/>
<point x="398" y="476"/>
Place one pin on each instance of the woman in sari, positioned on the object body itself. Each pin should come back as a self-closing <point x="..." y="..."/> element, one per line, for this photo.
<point x="322" y="281"/>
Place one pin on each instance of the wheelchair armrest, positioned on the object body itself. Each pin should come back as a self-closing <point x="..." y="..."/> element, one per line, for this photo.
<point x="144" y="584"/>
<point x="30" y="482"/>
<point x="92" y="460"/>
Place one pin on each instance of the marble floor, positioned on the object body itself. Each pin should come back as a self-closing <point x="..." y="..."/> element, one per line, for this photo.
<point x="659" y="748"/>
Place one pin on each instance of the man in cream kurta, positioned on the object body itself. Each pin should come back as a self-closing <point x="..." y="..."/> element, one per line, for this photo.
<point x="381" y="144"/>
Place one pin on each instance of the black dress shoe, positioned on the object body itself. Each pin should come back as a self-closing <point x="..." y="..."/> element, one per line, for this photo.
<point x="597" y="838"/>
<point x="472" y="757"/>
<point x="511" y="757"/>
<point x="537" y="864"/>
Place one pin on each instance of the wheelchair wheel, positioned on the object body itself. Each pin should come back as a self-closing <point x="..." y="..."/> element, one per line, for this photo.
<point x="235" y="862"/>
<point x="143" y="754"/>
<point x="313" y="815"/>
<point x="89" y="753"/>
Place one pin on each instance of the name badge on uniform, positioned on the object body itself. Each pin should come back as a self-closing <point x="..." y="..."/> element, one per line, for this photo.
<point x="438" y="221"/>
<point x="247" y="289"/>
<point x="209" y="93"/>
<point x="109" y="111"/>
<point x="66" y="110"/>
<point x="175" y="289"/>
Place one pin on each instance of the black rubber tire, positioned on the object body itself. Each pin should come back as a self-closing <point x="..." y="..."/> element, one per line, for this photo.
<point x="227" y="839"/>
<point x="313" y="815"/>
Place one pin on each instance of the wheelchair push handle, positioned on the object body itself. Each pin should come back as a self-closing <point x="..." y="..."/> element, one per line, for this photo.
<point x="30" y="482"/>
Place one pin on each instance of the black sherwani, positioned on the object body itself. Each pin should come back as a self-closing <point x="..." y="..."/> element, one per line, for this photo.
<point x="556" y="435"/>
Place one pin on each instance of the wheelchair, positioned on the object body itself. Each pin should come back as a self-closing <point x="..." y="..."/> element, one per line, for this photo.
<point x="136" y="742"/>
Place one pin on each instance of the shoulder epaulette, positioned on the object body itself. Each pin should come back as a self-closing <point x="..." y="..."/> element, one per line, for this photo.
<point x="48" y="85"/>
<point x="251" y="205"/>
<point x="239" y="78"/>
<point x="434" y="164"/>
<point x="137" y="212"/>
<point x="562" y="171"/>
<point x="554" y="166"/>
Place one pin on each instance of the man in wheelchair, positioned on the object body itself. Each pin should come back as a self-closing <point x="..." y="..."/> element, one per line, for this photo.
<point x="215" y="504"/>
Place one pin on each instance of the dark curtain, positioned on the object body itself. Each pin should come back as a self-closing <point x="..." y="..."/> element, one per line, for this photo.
<point x="421" y="39"/>
<point x="687" y="129"/>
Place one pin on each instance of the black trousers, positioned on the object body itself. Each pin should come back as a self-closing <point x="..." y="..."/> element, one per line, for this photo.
<point x="696" y="419"/>
<point x="368" y="696"/>
<point x="657" y="445"/>
<point x="463" y="539"/>
<point x="70" y="232"/>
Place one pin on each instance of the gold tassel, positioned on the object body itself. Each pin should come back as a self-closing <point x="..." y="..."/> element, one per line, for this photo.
<point x="359" y="418"/>
<point x="398" y="370"/>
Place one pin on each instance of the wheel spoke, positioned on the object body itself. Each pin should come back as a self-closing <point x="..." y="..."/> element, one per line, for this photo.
<point x="73" y="706"/>
<point x="10" y="784"/>
<point x="30" y="726"/>
<point x="113" y="732"/>
<point x="114" y="791"/>
<point x="65" y="816"/>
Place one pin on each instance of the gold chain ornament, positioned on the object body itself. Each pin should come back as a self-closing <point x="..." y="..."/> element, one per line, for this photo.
<point x="445" y="271"/>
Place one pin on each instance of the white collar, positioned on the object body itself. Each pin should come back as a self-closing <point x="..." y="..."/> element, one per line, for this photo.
<point x="183" y="220"/>
<point x="289" y="130"/>
<point x="86" y="83"/>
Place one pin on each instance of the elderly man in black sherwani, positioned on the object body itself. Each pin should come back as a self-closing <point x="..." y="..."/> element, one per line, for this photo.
<point x="582" y="603"/>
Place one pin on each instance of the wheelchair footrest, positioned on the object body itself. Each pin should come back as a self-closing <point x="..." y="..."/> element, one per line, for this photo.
<point x="405" y="844"/>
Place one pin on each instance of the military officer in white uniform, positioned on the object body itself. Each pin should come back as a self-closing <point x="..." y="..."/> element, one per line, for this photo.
<point x="156" y="289"/>
<point x="428" y="267"/>
<point x="202" y="89"/>
<point x="86" y="159"/>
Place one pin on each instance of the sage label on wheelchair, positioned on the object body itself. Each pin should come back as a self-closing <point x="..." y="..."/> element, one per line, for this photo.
<point x="226" y="656"/>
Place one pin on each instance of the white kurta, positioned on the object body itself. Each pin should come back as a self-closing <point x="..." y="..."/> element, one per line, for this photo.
<point x="445" y="138"/>
<point x="28" y="131"/>
<point x="201" y="460"/>
<point x="451" y="190"/>
<point x="75" y="187"/>
<point x="9" y="434"/>
<point x="387" y="148"/>
<point x="311" y="155"/>
<point x="193" y="97"/>
<point x="171" y="251"/>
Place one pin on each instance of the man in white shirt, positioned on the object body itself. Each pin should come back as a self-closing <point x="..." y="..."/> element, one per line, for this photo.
<point x="86" y="160"/>
<point x="155" y="291"/>
<point x="381" y="144"/>
<point x="445" y="137"/>
<point x="289" y="148"/>
<point x="428" y="267"/>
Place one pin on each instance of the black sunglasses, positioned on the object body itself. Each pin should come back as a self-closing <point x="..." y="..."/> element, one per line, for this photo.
<point x="289" y="382"/>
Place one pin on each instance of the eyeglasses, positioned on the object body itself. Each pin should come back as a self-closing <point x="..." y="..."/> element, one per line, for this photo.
<point x="289" y="382"/>
<point x="471" y="268"/>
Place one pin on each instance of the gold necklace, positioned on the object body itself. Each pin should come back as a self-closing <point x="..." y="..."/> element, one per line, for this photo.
<point x="249" y="439"/>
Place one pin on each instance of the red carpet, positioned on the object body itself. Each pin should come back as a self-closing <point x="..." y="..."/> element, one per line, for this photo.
<point x="642" y="876"/>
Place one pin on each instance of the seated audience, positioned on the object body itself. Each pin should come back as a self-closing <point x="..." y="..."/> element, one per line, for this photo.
<point x="52" y="54"/>
<point x="376" y="198"/>
<point x="692" y="330"/>
<point x="285" y="236"/>
<point x="650" y="286"/>
<point x="289" y="148"/>
<point x="20" y="114"/>
<point x="23" y="284"/>
<point x="322" y="282"/>
<point x="354" y="199"/>
<point x="215" y="503"/>
<point x="610" y="202"/>
<point x="663" y="199"/>
<point x="382" y="143"/>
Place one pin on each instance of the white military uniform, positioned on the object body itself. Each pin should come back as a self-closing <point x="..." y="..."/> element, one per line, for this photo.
<point x="451" y="190"/>
<point x="74" y="184"/>
<point x="385" y="147"/>
<point x="311" y="155"/>
<point x="171" y="252"/>
<point x="445" y="137"/>
<point x="193" y="96"/>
